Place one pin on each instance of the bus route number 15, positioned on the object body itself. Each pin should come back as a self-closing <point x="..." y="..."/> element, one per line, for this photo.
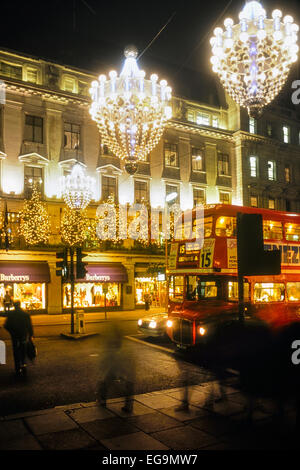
<point x="205" y="259"/>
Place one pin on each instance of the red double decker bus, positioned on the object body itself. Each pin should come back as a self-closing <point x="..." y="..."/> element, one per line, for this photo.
<point x="203" y="284"/>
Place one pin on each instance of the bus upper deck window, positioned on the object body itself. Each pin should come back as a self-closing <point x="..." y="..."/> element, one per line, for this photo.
<point x="292" y="232"/>
<point x="272" y="230"/>
<point x="269" y="292"/>
<point x="293" y="291"/>
<point x="226" y="226"/>
<point x="199" y="228"/>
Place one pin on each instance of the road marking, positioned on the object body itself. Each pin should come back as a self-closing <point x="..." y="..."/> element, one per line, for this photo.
<point x="93" y="355"/>
<point x="156" y="346"/>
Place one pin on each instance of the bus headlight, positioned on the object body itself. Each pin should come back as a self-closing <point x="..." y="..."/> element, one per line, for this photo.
<point x="152" y="324"/>
<point x="169" y="323"/>
<point x="140" y="322"/>
<point x="202" y="330"/>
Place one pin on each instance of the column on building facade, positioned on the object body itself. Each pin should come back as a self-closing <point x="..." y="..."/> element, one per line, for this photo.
<point x="54" y="142"/>
<point x="13" y="174"/>
<point x="186" y="196"/>
<point x="54" y="291"/>
<point x="128" y="288"/>
<point x="237" y="172"/>
<point x="212" y="195"/>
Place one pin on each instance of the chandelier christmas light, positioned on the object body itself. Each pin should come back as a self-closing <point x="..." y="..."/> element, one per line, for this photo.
<point x="77" y="188"/>
<point x="253" y="58"/>
<point x="130" y="111"/>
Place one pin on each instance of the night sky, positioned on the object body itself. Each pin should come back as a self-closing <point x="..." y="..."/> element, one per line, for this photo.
<point x="92" y="34"/>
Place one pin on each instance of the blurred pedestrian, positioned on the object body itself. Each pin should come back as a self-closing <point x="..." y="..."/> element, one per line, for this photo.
<point x="117" y="367"/>
<point x="19" y="326"/>
<point x="148" y="300"/>
<point x="7" y="301"/>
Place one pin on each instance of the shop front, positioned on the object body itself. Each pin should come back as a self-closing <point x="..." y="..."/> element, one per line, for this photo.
<point x="26" y="282"/>
<point x="153" y="286"/>
<point x="100" y="289"/>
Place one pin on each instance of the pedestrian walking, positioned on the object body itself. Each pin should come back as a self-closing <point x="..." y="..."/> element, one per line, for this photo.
<point x="7" y="301"/>
<point x="19" y="326"/>
<point x="117" y="369"/>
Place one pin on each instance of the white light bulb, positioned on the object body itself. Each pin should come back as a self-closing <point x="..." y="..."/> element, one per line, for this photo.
<point x="213" y="41"/>
<point x="261" y="34"/>
<point x="228" y="22"/>
<point x="218" y="31"/>
<point x="288" y="19"/>
<point x="277" y="14"/>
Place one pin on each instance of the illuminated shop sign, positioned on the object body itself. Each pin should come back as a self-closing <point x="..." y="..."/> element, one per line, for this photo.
<point x="96" y="277"/>
<point x="13" y="278"/>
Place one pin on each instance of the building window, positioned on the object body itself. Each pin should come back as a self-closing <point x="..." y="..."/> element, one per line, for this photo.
<point x="69" y="85"/>
<point x="203" y="119"/>
<point x="171" y="154"/>
<point x="71" y="136"/>
<point x="253" y="166"/>
<point x="34" y="129"/>
<point x="269" y="130"/>
<point x="223" y="164"/>
<point x="271" y="170"/>
<point x="172" y="190"/>
<point x="224" y="198"/>
<point x="191" y="116"/>
<point x="32" y="75"/>
<point x="33" y="176"/>
<point x="197" y="159"/>
<point x="215" y="121"/>
<point x="252" y="125"/>
<point x="12" y="71"/>
<point x="286" y="134"/>
<point x="271" y="204"/>
<point x="253" y="201"/>
<point x="198" y="196"/>
<point x="140" y="192"/>
<point x="109" y="188"/>
<point x="287" y="173"/>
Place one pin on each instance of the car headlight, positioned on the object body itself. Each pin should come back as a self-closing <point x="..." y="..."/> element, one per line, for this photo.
<point x="202" y="330"/>
<point x="152" y="324"/>
<point x="169" y="323"/>
<point x="140" y="322"/>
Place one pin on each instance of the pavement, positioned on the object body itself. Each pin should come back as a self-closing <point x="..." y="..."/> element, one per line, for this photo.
<point x="90" y="317"/>
<point x="155" y="424"/>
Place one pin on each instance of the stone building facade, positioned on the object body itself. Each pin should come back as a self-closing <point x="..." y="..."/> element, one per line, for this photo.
<point x="209" y="154"/>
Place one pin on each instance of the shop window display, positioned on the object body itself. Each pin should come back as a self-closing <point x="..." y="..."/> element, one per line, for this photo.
<point x="31" y="296"/>
<point x="92" y="295"/>
<point x="150" y="285"/>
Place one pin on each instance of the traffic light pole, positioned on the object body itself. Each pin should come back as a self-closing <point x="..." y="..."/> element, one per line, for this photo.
<point x="72" y="281"/>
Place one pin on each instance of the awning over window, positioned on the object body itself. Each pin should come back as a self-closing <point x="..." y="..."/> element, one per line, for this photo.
<point x="24" y="272"/>
<point x="105" y="273"/>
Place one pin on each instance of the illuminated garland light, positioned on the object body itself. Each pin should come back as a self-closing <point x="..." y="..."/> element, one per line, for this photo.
<point x="77" y="188"/>
<point x="74" y="226"/>
<point x="131" y="112"/>
<point x="253" y="58"/>
<point x="34" y="220"/>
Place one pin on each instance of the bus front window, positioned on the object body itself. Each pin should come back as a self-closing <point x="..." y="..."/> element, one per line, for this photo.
<point x="176" y="288"/>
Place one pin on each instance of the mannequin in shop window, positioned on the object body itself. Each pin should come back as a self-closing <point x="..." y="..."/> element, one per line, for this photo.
<point x="7" y="301"/>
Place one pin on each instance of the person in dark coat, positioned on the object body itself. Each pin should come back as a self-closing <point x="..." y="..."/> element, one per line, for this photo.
<point x="19" y="326"/>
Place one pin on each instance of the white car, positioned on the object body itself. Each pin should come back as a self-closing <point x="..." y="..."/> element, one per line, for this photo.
<point x="154" y="325"/>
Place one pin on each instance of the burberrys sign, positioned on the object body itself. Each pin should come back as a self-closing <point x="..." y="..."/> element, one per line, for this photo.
<point x="96" y="277"/>
<point x="13" y="278"/>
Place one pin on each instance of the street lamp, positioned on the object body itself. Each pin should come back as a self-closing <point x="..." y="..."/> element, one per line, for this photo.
<point x="253" y="57"/>
<point x="131" y="112"/>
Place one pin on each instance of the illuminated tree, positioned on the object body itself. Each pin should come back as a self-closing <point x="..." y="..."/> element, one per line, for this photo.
<point x="74" y="226"/>
<point x="34" y="220"/>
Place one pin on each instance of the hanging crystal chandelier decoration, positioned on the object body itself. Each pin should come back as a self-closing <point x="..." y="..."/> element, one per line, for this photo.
<point x="130" y="111"/>
<point x="77" y="188"/>
<point x="253" y="58"/>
